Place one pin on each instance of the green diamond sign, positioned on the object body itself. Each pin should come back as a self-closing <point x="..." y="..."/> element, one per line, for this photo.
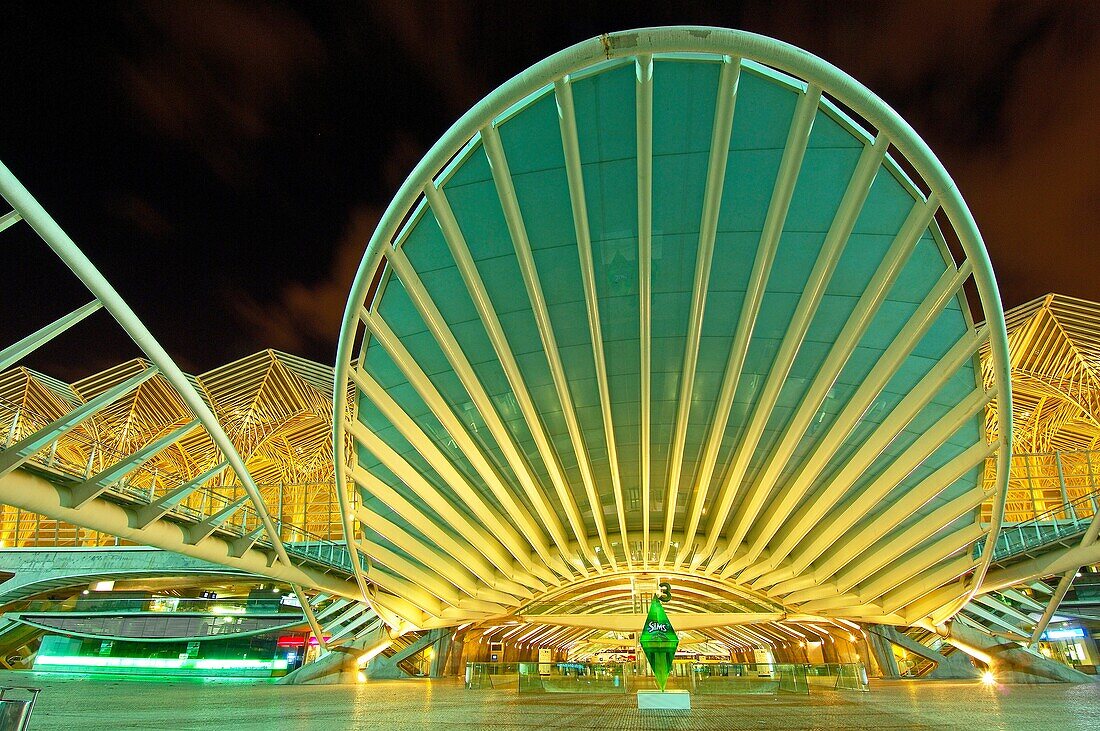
<point x="659" y="642"/>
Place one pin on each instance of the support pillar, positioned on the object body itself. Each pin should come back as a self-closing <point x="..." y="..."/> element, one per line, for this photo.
<point x="956" y="666"/>
<point x="883" y="655"/>
<point x="441" y="658"/>
<point x="1011" y="662"/>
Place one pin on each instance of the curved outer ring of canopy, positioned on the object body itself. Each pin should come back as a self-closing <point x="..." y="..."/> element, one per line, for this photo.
<point x="682" y="39"/>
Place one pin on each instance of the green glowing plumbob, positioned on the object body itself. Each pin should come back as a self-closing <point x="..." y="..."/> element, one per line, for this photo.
<point x="659" y="642"/>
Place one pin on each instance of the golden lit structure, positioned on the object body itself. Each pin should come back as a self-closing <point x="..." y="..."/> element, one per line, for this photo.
<point x="275" y="407"/>
<point x="1054" y="343"/>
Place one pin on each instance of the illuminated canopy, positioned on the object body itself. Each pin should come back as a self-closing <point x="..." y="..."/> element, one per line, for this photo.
<point x="674" y="302"/>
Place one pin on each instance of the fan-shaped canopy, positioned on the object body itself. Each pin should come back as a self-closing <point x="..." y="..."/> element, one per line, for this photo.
<point x="669" y="303"/>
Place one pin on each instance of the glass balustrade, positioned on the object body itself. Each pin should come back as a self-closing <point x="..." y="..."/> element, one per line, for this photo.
<point x="701" y="678"/>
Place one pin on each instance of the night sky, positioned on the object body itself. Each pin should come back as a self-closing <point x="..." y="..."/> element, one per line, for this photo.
<point x="224" y="163"/>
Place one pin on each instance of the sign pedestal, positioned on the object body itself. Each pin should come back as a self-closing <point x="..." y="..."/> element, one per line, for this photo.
<point x="664" y="700"/>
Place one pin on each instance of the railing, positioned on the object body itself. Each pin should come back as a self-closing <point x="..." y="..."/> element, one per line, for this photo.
<point x="1052" y="526"/>
<point x="702" y="678"/>
<point x="156" y="605"/>
<point x="146" y="483"/>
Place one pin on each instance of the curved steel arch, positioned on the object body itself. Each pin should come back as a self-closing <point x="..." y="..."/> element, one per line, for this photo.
<point x="554" y="557"/>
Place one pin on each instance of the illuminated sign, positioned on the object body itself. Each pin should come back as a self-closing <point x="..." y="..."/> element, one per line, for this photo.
<point x="158" y="663"/>
<point x="1066" y="633"/>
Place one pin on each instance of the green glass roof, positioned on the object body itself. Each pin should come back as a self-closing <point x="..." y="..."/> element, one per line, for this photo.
<point x="671" y="312"/>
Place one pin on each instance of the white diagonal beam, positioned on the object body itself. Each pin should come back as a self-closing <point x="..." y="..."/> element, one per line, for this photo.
<point x="416" y="516"/>
<point x="462" y="368"/>
<point x="894" y="547"/>
<point x="854" y="329"/>
<point x="411" y="431"/>
<point x="437" y="562"/>
<point x="831" y="250"/>
<point x="456" y="242"/>
<point x="571" y="149"/>
<point x="829" y="528"/>
<point x="480" y="538"/>
<point x="15" y="352"/>
<point x="708" y="229"/>
<point x="24" y="449"/>
<point x="871" y="386"/>
<point x="93" y="486"/>
<point x="502" y="177"/>
<point x="162" y="506"/>
<point x="9" y="219"/>
<point x="864" y="534"/>
<point x="829" y="494"/>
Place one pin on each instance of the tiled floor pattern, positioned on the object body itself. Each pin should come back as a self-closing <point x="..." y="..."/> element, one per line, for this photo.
<point x="80" y="703"/>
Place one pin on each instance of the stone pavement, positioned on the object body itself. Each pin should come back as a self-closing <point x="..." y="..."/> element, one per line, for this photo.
<point x="74" y="703"/>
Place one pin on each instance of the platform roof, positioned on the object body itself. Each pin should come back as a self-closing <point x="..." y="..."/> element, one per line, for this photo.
<point x="675" y="302"/>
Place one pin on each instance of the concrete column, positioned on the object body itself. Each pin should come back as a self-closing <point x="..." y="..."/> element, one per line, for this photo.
<point x="441" y="658"/>
<point x="1011" y="662"/>
<point x="956" y="666"/>
<point x="883" y="655"/>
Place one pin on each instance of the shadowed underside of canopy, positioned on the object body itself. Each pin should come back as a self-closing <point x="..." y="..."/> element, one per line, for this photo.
<point x="668" y="303"/>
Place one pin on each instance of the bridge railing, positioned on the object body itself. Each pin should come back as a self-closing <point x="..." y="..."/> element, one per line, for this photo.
<point x="1057" y="524"/>
<point x="156" y="605"/>
<point x="75" y="455"/>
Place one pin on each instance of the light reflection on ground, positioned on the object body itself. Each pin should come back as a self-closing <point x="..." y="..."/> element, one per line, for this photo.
<point x="81" y="702"/>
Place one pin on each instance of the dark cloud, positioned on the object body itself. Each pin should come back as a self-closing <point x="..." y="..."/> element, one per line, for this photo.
<point x="212" y="74"/>
<point x="225" y="162"/>
<point x="303" y="316"/>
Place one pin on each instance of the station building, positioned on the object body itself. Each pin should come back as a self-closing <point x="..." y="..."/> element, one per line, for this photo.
<point x="681" y="306"/>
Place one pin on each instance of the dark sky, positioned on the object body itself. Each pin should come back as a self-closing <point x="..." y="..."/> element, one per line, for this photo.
<point x="224" y="162"/>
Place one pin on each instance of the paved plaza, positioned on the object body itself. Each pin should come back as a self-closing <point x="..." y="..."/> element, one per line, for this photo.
<point x="81" y="703"/>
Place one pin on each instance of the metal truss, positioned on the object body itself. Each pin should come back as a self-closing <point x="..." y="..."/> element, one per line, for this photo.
<point x="123" y="429"/>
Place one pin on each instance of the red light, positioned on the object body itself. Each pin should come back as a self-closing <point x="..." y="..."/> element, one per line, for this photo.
<point x="297" y="640"/>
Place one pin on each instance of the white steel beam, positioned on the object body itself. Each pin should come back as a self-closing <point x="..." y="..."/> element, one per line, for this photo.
<point x="35" y="494"/>
<point x="708" y="229"/>
<point x="502" y="177"/>
<point x="456" y="242"/>
<point x="23" y="450"/>
<point x="571" y="149"/>
<point x="854" y="329"/>
<point x="415" y="515"/>
<point x="870" y="530"/>
<point x="829" y="528"/>
<point x="887" y="365"/>
<point x="643" y="92"/>
<point x="164" y="505"/>
<point x="478" y="537"/>
<point x="14" y="353"/>
<point x="94" y="486"/>
<point x="828" y="495"/>
<point x="430" y="553"/>
<point x="504" y="438"/>
<point x="917" y="565"/>
<point x="411" y="431"/>
<point x="9" y="219"/>
<point x="831" y="250"/>
<point x="66" y="249"/>
<point x="900" y="543"/>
